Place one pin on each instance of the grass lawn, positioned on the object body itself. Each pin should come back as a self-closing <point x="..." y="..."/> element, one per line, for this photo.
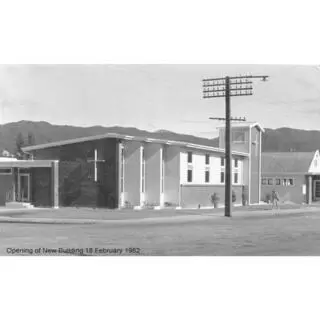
<point x="273" y="235"/>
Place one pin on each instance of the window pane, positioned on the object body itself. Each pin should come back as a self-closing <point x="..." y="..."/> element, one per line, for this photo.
<point x="222" y="161"/>
<point x="207" y="176"/>
<point x="207" y="159"/>
<point x="189" y="157"/>
<point x="291" y="183"/>
<point x="6" y="171"/>
<point x="222" y="177"/>
<point x="238" y="137"/>
<point x="270" y="181"/>
<point x="264" y="181"/>
<point x="278" y="182"/>
<point x="189" y="175"/>
<point x="236" y="178"/>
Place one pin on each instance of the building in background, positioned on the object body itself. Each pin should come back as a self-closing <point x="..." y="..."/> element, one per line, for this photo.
<point x="295" y="175"/>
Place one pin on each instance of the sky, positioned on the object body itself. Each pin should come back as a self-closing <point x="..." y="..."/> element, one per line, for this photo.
<point x="154" y="97"/>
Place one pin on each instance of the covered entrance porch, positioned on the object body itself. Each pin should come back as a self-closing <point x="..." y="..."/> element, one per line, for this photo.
<point x="26" y="183"/>
<point x="313" y="188"/>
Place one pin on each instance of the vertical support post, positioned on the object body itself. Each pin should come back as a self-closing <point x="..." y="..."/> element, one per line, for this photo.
<point x="309" y="189"/>
<point x="95" y="165"/>
<point x="119" y="169"/>
<point x="14" y="174"/>
<point x="18" y="198"/>
<point x="228" y="169"/>
<point x="55" y="184"/>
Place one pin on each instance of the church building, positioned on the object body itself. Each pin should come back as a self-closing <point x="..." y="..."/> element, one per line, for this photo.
<point x="115" y="170"/>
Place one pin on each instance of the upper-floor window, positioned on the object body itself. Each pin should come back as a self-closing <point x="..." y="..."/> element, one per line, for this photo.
<point x="238" y="137"/>
<point x="222" y="161"/>
<point x="189" y="175"/>
<point x="236" y="163"/>
<point x="189" y="157"/>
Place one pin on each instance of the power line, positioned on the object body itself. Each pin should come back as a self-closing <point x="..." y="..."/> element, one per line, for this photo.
<point x="228" y="87"/>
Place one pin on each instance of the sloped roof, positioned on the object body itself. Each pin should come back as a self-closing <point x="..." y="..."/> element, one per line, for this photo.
<point x="126" y="137"/>
<point x="281" y="162"/>
<point x="244" y="125"/>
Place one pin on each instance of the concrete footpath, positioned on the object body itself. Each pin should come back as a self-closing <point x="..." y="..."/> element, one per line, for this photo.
<point x="175" y="217"/>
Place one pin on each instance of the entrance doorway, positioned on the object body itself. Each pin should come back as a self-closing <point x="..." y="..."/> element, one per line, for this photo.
<point x="316" y="189"/>
<point x="23" y="192"/>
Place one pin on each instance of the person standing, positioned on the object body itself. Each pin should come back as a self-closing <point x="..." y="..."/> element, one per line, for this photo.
<point x="275" y="199"/>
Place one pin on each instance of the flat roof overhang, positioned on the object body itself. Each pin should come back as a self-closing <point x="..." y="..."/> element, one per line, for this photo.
<point x="27" y="163"/>
<point x="129" y="138"/>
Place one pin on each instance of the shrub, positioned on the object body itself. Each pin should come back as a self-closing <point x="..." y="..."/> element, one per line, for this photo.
<point x="234" y="196"/>
<point x="268" y="197"/>
<point x="215" y="198"/>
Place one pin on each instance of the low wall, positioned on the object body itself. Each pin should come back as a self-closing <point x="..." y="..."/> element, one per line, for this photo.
<point x="194" y="195"/>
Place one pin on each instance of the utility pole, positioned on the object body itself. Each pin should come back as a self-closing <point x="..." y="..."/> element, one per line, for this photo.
<point x="229" y="87"/>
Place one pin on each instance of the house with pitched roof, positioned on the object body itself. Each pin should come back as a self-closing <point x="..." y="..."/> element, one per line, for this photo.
<point x="294" y="175"/>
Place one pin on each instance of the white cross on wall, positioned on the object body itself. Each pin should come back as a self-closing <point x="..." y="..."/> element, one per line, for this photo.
<point x="95" y="161"/>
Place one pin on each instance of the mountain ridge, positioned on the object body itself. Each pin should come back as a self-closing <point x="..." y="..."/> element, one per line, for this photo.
<point x="283" y="139"/>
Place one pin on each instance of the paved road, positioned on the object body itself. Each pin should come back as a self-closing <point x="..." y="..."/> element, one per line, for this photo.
<point x="265" y="235"/>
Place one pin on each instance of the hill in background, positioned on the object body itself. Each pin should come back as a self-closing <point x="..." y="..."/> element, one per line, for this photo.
<point x="278" y="140"/>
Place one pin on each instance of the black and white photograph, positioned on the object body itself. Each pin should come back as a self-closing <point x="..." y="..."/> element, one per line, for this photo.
<point x="160" y="160"/>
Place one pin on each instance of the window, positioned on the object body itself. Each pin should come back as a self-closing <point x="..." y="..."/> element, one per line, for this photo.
<point x="270" y="181"/>
<point x="207" y="176"/>
<point x="278" y="182"/>
<point x="222" y="177"/>
<point x="189" y="175"/>
<point x="4" y="171"/>
<point x="189" y="157"/>
<point x="222" y="162"/>
<point x="264" y="181"/>
<point x="236" y="163"/>
<point x="236" y="178"/>
<point x="207" y="159"/>
<point x="288" y="182"/>
<point x="238" y="137"/>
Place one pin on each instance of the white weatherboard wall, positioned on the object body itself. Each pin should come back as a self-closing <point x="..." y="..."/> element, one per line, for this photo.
<point x="153" y="166"/>
<point x="132" y="167"/>
<point x="315" y="164"/>
<point x="171" y="174"/>
<point x="199" y="167"/>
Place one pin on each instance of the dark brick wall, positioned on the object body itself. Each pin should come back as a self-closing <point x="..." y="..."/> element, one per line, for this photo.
<point x="76" y="176"/>
<point x="41" y="187"/>
<point x="5" y="186"/>
<point x="193" y="195"/>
